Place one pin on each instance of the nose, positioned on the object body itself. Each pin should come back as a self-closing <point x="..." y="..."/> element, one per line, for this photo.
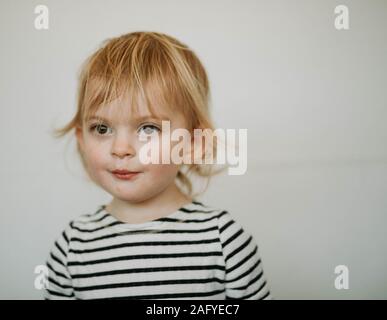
<point x="123" y="146"/>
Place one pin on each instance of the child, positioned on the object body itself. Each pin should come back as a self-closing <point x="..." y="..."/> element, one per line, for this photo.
<point x="154" y="240"/>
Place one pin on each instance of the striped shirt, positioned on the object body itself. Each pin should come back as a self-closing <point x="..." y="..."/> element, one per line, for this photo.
<point x="197" y="252"/>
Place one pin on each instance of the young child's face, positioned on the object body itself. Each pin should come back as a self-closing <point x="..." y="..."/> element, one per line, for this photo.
<point x="115" y="144"/>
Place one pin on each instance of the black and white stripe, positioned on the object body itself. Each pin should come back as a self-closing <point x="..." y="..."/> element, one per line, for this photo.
<point x="198" y="252"/>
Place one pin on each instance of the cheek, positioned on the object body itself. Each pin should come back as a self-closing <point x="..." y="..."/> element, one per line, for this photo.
<point x="163" y="171"/>
<point x="95" y="155"/>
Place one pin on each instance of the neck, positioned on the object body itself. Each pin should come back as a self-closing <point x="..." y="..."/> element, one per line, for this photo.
<point x="156" y="207"/>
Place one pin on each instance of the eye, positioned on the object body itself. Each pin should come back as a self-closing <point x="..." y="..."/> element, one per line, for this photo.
<point x="148" y="129"/>
<point x="101" y="129"/>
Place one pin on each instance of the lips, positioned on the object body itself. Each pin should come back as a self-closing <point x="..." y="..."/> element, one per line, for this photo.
<point x="124" y="174"/>
<point x="123" y="171"/>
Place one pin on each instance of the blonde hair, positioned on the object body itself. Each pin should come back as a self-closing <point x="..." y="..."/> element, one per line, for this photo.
<point x="154" y="66"/>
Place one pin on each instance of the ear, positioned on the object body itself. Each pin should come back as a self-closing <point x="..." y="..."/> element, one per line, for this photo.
<point x="79" y="136"/>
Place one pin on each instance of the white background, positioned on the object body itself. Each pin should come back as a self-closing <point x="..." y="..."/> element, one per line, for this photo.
<point x="312" y="98"/>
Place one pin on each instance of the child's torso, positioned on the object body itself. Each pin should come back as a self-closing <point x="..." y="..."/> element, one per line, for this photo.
<point x="160" y="259"/>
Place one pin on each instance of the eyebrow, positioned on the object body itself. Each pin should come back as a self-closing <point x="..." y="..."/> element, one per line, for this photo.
<point x="138" y="119"/>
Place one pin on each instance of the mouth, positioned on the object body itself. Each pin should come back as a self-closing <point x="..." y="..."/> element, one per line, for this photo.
<point x="125" y="174"/>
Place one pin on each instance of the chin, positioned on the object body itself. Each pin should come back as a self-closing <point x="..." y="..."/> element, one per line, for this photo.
<point x="132" y="197"/>
<point x="134" y="200"/>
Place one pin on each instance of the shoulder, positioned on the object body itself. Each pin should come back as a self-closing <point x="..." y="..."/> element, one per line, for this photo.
<point x="80" y="222"/>
<point x="233" y="235"/>
<point x="96" y="215"/>
<point x="222" y="216"/>
<point x="204" y="211"/>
